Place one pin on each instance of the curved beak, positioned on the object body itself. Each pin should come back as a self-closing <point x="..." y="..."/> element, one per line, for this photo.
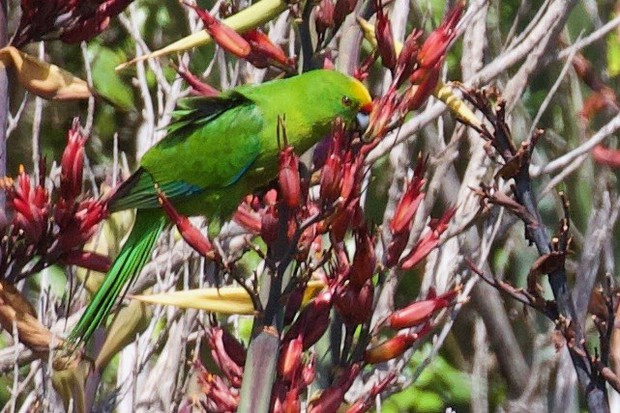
<point x="363" y="116"/>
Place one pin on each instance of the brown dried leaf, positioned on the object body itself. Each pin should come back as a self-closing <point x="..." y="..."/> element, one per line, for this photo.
<point x="15" y="309"/>
<point x="546" y="264"/>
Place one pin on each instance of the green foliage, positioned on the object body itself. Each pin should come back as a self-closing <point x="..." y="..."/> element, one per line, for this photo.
<point x="440" y="386"/>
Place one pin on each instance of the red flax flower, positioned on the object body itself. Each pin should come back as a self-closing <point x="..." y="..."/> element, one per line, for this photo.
<point x="410" y="201"/>
<point x="31" y="205"/>
<point x="265" y="53"/>
<point x="198" y="87"/>
<point x="222" y="345"/>
<point x="290" y="358"/>
<point x="77" y="219"/>
<point x="53" y="231"/>
<point x="365" y="403"/>
<point x="390" y="348"/>
<point x="253" y="46"/>
<point x="288" y="178"/>
<point x="385" y="39"/>
<point x="226" y="37"/>
<point x="189" y="232"/>
<point x="72" y="164"/>
<point x="72" y="21"/>
<point x="429" y="60"/>
<point x="219" y="396"/>
<point x="421" y="311"/>
<point x="312" y="321"/>
<point x="341" y="10"/>
<point x="428" y="241"/>
<point x="400" y="224"/>
<point x="332" y="397"/>
<point x="324" y="16"/>
<point x="364" y="260"/>
<point x="434" y="48"/>
<point x="247" y="217"/>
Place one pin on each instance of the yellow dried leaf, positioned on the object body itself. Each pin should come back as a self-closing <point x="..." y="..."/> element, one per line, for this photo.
<point x="129" y="322"/>
<point x="232" y="300"/>
<point x="456" y="105"/>
<point x="43" y="79"/>
<point x="69" y="384"/>
<point x="248" y="18"/>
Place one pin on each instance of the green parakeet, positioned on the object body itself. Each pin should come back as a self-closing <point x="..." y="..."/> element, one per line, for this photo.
<point x="216" y="151"/>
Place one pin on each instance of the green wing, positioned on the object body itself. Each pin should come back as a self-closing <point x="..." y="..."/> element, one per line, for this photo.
<point x="210" y="144"/>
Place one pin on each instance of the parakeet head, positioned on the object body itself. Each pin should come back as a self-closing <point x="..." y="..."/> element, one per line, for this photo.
<point x="341" y="94"/>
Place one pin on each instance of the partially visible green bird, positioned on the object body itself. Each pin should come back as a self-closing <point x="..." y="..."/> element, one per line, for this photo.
<point x="217" y="150"/>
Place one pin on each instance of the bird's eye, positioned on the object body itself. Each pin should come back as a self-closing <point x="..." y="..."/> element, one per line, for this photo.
<point x="346" y="101"/>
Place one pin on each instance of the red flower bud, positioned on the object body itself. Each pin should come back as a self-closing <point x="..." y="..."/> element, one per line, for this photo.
<point x="30" y="205"/>
<point x="223" y="35"/>
<point x="407" y="206"/>
<point x="331" y="179"/>
<point x="332" y="397"/>
<point x="270" y="225"/>
<point x="72" y="163"/>
<point x="364" y="260"/>
<point x="189" y="232"/>
<point x="88" y="260"/>
<point x="235" y="350"/>
<point x="312" y="321"/>
<point x="324" y="16"/>
<point x="264" y="52"/>
<point x="290" y="358"/>
<point x="407" y="59"/>
<point x="365" y="402"/>
<point x="198" y="87"/>
<point x="434" y="48"/>
<point x="305" y="242"/>
<point x="385" y="38"/>
<point x="78" y="223"/>
<point x="395" y="248"/>
<point x="89" y="24"/>
<point x="219" y="397"/>
<point x="288" y="178"/>
<point x="424" y="82"/>
<point x="382" y="113"/>
<point x="390" y="348"/>
<point x="219" y="351"/>
<point x="248" y="218"/>
<point x="270" y="198"/>
<point x="351" y="177"/>
<point x="291" y="402"/>
<point x="420" y="312"/>
<point x="355" y="304"/>
<point x="309" y="371"/>
<point x="342" y="9"/>
<point x="70" y="20"/>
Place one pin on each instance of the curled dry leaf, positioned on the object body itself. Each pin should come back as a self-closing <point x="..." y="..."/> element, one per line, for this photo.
<point x="15" y="309"/>
<point x="43" y="79"/>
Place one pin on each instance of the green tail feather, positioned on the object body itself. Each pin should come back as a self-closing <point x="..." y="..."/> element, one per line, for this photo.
<point x="130" y="261"/>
